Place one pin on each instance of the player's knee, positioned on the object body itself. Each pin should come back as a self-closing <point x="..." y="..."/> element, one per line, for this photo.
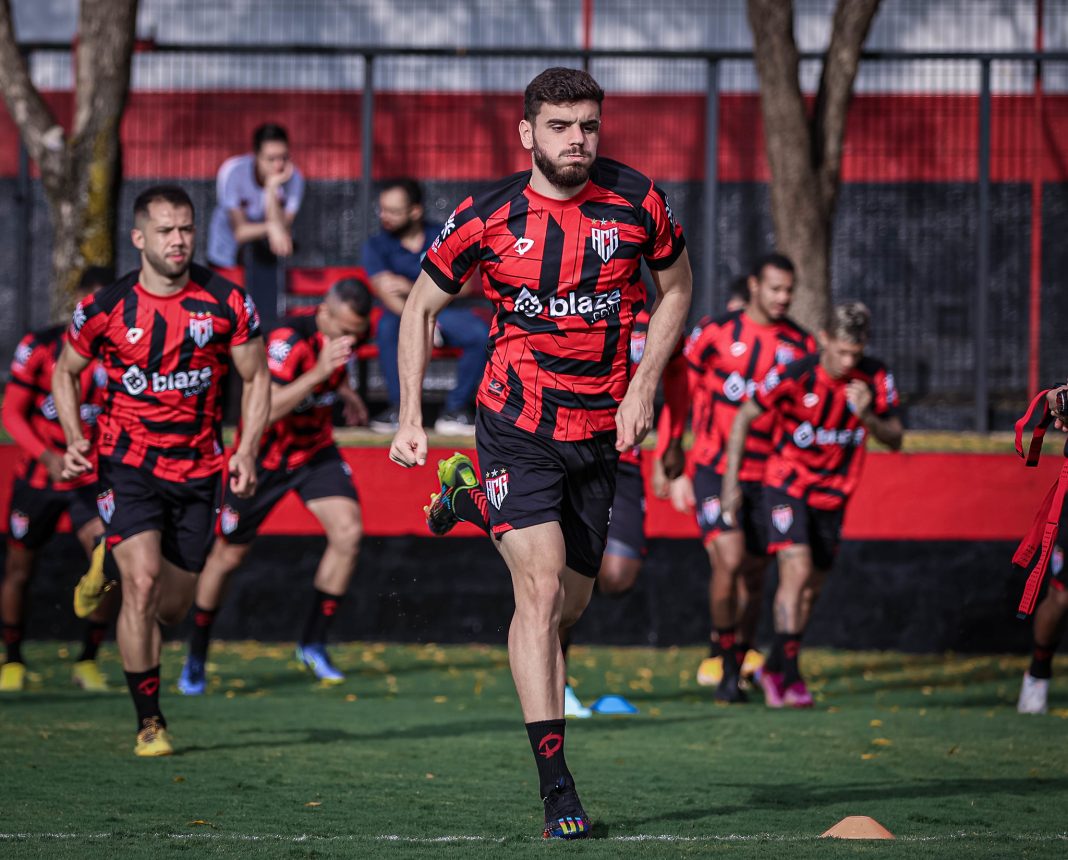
<point x="616" y="579"/>
<point x="345" y="537"/>
<point x="541" y="596"/>
<point x="141" y="588"/>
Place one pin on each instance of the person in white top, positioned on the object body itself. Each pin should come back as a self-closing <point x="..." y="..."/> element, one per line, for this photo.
<point x="258" y="196"/>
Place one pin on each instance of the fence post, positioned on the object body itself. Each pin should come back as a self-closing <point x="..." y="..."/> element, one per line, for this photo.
<point x="367" y="143"/>
<point x="711" y="208"/>
<point x="982" y="280"/>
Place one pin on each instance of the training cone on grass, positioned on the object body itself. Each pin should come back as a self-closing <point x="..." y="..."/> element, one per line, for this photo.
<point x="857" y="827"/>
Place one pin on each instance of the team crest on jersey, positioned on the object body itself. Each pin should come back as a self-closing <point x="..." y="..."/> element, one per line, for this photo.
<point x="810" y="400"/>
<point x="605" y="241"/>
<point x="253" y="314"/>
<point x="496" y="484"/>
<point x="277" y="353"/>
<point x="637" y="347"/>
<point x="105" y="504"/>
<point x="134" y="334"/>
<point x="738" y="348"/>
<point x="228" y="519"/>
<point x="22" y="354"/>
<point x="201" y="328"/>
<point x="710" y="510"/>
<point x="782" y="517"/>
<point x="20" y="524"/>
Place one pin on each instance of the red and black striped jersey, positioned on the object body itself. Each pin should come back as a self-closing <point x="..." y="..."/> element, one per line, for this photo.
<point x="564" y="276"/>
<point x="822" y="445"/>
<point x="30" y="411"/>
<point x="165" y="358"/>
<point x="292" y="350"/>
<point x="729" y="356"/>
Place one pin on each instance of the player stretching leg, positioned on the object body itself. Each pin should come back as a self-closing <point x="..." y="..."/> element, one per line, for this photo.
<point x="40" y="495"/>
<point x="306" y="356"/>
<point x="163" y="334"/>
<point x="558" y="247"/>
<point x="728" y="357"/>
<point x="827" y="406"/>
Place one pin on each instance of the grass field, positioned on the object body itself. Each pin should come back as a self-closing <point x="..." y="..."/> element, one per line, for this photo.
<point x="422" y="754"/>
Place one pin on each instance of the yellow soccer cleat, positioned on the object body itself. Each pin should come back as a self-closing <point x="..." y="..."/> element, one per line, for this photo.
<point x="752" y="664"/>
<point x="12" y="678"/>
<point x="87" y="675"/>
<point x="710" y="672"/>
<point x="92" y="587"/>
<point x="153" y="740"/>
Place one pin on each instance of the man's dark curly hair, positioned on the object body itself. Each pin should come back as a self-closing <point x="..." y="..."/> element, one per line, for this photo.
<point x="560" y="86"/>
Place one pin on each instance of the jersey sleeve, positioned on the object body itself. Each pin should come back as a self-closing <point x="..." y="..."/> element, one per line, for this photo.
<point x="457" y="249"/>
<point x="246" y="317"/>
<point x="665" y="242"/>
<point x="777" y="386"/>
<point x="288" y="356"/>
<point x="885" y="402"/>
<point x="87" y="326"/>
<point x="700" y="347"/>
<point x="227" y="185"/>
<point x="24" y="362"/>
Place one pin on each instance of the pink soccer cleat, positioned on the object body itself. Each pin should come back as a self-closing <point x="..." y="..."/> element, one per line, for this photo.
<point x="797" y="696"/>
<point x="771" y="683"/>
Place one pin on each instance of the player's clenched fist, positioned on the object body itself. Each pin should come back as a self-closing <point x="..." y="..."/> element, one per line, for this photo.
<point x="634" y="418"/>
<point x="242" y="475"/>
<point x="76" y="460"/>
<point x="409" y="446"/>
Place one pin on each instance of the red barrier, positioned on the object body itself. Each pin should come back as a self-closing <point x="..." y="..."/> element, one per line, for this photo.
<point x="901" y="497"/>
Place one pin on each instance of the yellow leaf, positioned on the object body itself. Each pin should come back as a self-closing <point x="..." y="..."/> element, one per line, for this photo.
<point x="875" y="723"/>
<point x="200" y="822"/>
<point x="430" y="776"/>
<point x="179" y="779"/>
<point x="882" y="742"/>
<point x="351" y="697"/>
<point x="440" y="700"/>
<point x="314" y="803"/>
<point x="868" y="756"/>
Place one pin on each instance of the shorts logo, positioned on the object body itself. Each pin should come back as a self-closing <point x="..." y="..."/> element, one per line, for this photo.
<point x="605" y="241"/>
<point x="20" y="524"/>
<point x="738" y="348"/>
<point x="135" y="380"/>
<point x="637" y="347"/>
<point x="201" y="328"/>
<point x="133" y="335"/>
<point x="804" y="435"/>
<point x="522" y="245"/>
<point x="228" y="520"/>
<point x="105" y="504"/>
<point x="1056" y="563"/>
<point x="527" y="303"/>
<point x="782" y="517"/>
<point x="496" y="483"/>
<point x="710" y="510"/>
<point x="810" y="400"/>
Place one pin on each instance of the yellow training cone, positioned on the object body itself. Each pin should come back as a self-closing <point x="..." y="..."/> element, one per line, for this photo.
<point x="858" y="827"/>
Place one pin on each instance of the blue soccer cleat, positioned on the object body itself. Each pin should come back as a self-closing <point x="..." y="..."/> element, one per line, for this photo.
<point x="315" y="659"/>
<point x="194" y="679"/>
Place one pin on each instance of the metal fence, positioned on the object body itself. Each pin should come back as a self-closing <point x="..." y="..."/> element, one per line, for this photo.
<point x="955" y="189"/>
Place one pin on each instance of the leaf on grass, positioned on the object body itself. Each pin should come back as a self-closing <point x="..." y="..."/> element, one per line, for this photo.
<point x="953" y="749"/>
<point x="430" y="776"/>
<point x="882" y="742"/>
<point x="179" y="779"/>
<point x="875" y="724"/>
<point x="314" y="803"/>
<point x="351" y="697"/>
<point x="440" y="700"/>
<point x="200" y="822"/>
<point x="868" y="756"/>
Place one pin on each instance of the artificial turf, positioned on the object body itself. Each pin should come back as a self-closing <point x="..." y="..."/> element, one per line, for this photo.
<point x="421" y="753"/>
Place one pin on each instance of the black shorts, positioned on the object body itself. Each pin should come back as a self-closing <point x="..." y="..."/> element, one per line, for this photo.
<point x="531" y="480"/>
<point x="35" y="512"/>
<point x="707" y="489"/>
<point x="626" y="529"/>
<point x="790" y="521"/>
<point x="324" y="475"/>
<point x="133" y="500"/>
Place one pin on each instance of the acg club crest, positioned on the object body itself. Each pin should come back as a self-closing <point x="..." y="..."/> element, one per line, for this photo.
<point x="710" y="510"/>
<point x="496" y="482"/>
<point x="782" y="516"/>
<point x="228" y="520"/>
<point x="605" y="241"/>
<point x="201" y="329"/>
<point x="20" y="524"/>
<point x="105" y="504"/>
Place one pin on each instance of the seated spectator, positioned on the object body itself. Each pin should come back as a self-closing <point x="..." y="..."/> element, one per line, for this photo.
<point x="391" y="259"/>
<point x="258" y="196"/>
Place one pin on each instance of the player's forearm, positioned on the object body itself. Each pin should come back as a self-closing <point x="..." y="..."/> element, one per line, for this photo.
<point x="286" y="398"/>
<point x="665" y="328"/>
<point x="255" y="409"/>
<point x="249" y="231"/>
<point x="889" y="431"/>
<point x="17" y="422"/>
<point x="413" y="350"/>
<point x="67" y="396"/>
<point x="736" y="442"/>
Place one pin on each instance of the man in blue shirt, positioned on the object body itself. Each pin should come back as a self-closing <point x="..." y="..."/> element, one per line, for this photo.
<point x="392" y="259"/>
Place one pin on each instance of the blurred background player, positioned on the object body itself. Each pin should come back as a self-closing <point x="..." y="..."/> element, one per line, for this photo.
<point x="728" y="357"/>
<point x="392" y="258"/>
<point x="40" y="495"/>
<point x="827" y="405"/>
<point x="557" y="403"/>
<point x="306" y="355"/>
<point x="165" y="335"/>
<point x="626" y="547"/>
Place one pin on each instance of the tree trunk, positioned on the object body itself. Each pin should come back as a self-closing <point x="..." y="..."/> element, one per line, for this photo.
<point x="79" y="168"/>
<point x="805" y="153"/>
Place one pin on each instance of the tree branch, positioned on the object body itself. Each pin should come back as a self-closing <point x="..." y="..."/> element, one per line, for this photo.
<point x="106" y="32"/>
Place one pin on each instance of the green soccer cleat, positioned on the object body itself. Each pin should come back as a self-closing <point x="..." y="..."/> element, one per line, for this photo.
<point x="456" y="474"/>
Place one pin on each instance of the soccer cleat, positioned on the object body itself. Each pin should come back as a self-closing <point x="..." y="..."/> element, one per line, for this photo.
<point x="153" y="739"/>
<point x="12" y="677"/>
<point x="710" y="672"/>
<point x="1033" y="695"/>
<point x="92" y="587"/>
<point x="729" y="692"/>
<point x="771" y="683"/>
<point x="753" y="664"/>
<point x="87" y="675"/>
<point x="797" y="696"/>
<point x="315" y="659"/>
<point x="194" y="679"/>
<point x="457" y="473"/>
<point x="564" y="816"/>
<point x="573" y="706"/>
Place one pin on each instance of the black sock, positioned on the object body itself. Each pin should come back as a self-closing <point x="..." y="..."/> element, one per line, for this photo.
<point x="728" y="646"/>
<point x="713" y="645"/>
<point x="791" y="648"/>
<point x="319" y="619"/>
<point x="94" y="635"/>
<point x="13" y="641"/>
<point x="472" y="506"/>
<point x="547" y="743"/>
<point x="199" y="641"/>
<point x="1042" y="661"/>
<point x="144" y="688"/>
<point x="774" y="662"/>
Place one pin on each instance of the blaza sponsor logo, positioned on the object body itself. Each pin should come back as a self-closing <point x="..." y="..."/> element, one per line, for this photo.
<point x="190" y="382"/>
<point x="805" y="435"/>
<point x="496" y="485"/>
<point x="105" y="504"/>
<point x="201" y="328"/>
<point x="591" y="308"/>
<point x="782" y="517"/>
<point x="20" y="524"/>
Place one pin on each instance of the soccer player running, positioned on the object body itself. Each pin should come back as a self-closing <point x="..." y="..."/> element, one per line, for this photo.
<point x="827" y="405"/>
<point x="40" y="495"/>
<point x="559" y="248"/>
<point x="728" y="357"/>
<point x="306" y="356"/>
<point x="163" y="334"/>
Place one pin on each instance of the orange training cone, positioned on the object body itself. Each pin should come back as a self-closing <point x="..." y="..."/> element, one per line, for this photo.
<point x="858" y="827"/>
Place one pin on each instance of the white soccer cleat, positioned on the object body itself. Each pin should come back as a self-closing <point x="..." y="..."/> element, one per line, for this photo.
<point x="1033" y="695"/>
<point x="573" y="707"/>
